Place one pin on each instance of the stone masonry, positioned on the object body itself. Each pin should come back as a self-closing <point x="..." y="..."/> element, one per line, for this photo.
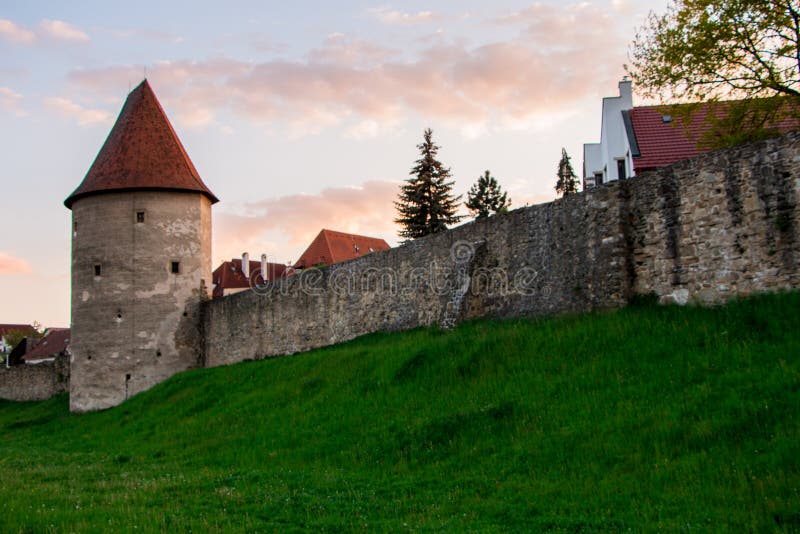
<point x="35" y="382"/>
<point x="136" y="323"/>
<point x="564" y="256"/>
<point x="703" y="230"/>
<point x="141" y="259"/>
<point x="720" y="225"/>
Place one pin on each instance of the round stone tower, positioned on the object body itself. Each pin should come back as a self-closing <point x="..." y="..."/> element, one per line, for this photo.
<point x="141" y="259"/>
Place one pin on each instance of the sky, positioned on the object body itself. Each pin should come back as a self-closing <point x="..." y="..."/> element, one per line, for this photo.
<point x="298" y="115"/>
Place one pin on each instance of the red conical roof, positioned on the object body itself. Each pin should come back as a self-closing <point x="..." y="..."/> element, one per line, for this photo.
<point x="141" y="152"/>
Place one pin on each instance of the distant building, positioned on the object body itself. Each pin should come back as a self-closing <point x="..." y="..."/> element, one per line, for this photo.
<point x="15" y="357"/>
<point x="641" y="138"/>
<point x="611" y="158"/>
<point x="54" y="343"/>
<point x="327" y="248"/>
<point x="6" y="329"/>
<point x="331" y="247"/>
<point x="229" y="277"/>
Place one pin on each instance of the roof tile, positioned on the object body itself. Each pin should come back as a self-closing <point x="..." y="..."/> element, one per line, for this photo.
<point x="141" y="152"/>
<point x="664" y="143"/>
<point x="331" y="247"/>
<point x="229" y="275"/>
<point x="6" y="328"/>
<point x="54" y="342"/>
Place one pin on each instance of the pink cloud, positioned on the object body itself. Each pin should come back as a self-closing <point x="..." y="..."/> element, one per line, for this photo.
<point x="387" y="15"/>
<point x="12" y="265"/>
<point x="84" y="116"/>
<point x="11" y="101"/>
<point x="62" y="31"/>
<point x="340" y="49"/>
<point x="284" y="226"/>
<point x="57" y="30"/>
<point x="15" y="33"/>
<point x="559" y="56"/>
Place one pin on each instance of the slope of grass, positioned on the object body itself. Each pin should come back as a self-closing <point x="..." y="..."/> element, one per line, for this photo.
<point x="654" y="418"/>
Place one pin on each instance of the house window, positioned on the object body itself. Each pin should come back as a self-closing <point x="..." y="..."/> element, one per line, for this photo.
<point x="98" y="271"/>
<point x="175" y="267"/>
<point x="598" y="178"/>
<point x="621" y="169"/>
<point x="139" y="216"/>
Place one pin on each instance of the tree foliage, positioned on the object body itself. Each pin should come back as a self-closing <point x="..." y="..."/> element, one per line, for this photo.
<point x="737" y="121"/>
<point x="486" y="197"/>
<point x="567" y="182"/>
<point x="14" y="336"/>
<point x="710" y="49"/>
<point x="426" y="204"/>
<point x="742" y="51"/>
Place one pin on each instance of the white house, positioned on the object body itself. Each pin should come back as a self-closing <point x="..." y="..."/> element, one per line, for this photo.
<point x="643" y="138"/>
<point x="612" y="158"/>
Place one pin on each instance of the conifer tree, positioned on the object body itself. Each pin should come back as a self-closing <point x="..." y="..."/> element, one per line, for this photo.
<point x="426" y="204"/>
<point x="567" y="180"/>
<point x="486" y="197"/>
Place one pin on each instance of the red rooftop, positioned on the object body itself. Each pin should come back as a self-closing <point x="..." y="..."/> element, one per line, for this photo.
<point x="142" y="152"/>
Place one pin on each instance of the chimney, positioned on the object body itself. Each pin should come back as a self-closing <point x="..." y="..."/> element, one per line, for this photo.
<point x="246" y="265"/>
<point x="264" y="271"/>
<point x="626" y="93"/>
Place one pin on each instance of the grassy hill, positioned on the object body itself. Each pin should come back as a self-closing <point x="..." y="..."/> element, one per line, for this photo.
<point x="654" y="418"/>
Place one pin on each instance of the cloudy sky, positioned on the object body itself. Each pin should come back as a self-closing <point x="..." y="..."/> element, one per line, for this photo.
<point x="298" y="115"/>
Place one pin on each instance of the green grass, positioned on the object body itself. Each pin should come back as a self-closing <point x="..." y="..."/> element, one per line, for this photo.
<point x="648" y="418"/>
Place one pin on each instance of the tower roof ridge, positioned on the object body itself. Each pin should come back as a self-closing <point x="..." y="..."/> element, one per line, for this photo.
<point x="142" y="152"/>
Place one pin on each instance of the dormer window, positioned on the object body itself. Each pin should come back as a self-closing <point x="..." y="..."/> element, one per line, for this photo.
<point x="355" y="247"/>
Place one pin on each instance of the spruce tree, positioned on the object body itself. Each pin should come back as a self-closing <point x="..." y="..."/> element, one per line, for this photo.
<point x="486" y="197"/>
<point x="567" y="180"/>
<point x="426" y="204"/>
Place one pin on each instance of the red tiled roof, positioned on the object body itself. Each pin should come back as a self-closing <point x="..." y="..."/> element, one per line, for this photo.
<point x="664" y="143"/>
<point x="54" y="342"/>
<point x="331" y="247"/>
<point x="6" y="328"/>
<point x="229" y="275"/>
<point x="141" y="152"/>
<point x="661" y="143"/>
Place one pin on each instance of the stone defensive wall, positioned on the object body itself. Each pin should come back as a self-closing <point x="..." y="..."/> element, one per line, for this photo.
<point x="721" y="225"/>
<point x="35" y="382"/>
<point x="703" y="230"/>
